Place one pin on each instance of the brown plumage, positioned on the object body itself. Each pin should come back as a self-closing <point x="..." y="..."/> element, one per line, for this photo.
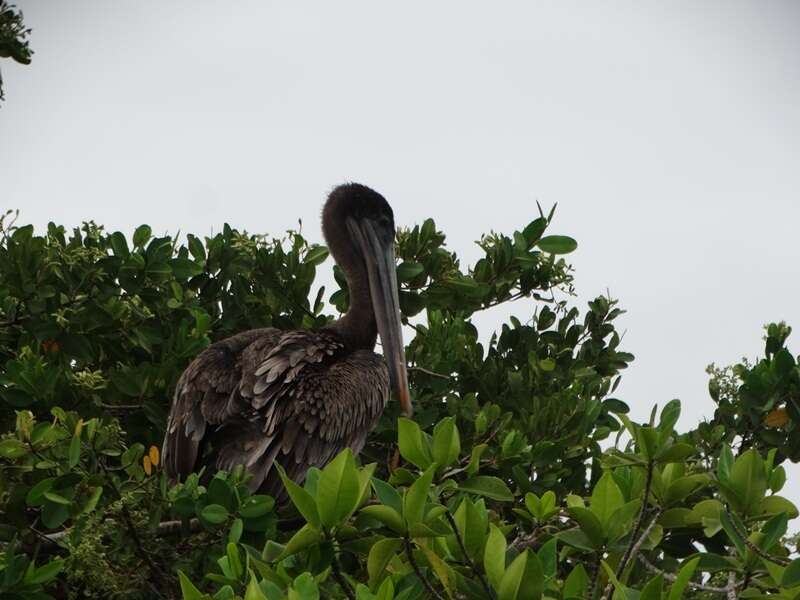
<point x="300" y="397"/>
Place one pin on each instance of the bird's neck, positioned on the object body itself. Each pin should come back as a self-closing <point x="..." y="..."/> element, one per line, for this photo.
<point x="357" y="327"/>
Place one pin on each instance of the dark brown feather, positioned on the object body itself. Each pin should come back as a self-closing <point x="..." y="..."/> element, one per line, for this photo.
<point x="295" y="397"/>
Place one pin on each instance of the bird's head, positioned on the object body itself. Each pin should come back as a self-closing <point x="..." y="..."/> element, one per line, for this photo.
<point x="358" y="225"/>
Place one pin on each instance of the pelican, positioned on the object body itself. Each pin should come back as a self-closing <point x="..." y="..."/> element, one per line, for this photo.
<point x="297" y="398"/>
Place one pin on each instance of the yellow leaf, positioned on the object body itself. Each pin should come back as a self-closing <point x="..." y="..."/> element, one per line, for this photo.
<point x="776" y="418"/>
<point x="148" y="466"/>
<point x="153" y="453"/>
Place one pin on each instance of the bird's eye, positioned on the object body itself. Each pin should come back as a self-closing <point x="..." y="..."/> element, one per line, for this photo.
<point x="385" y="222"/>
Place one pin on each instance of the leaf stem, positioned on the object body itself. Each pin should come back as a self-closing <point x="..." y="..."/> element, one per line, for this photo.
<point x="425" y="583"/>
<point x="470" y="562"/>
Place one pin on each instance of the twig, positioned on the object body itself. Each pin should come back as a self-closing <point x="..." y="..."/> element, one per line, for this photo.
<point x="137" y="542"/>
<point x="639" y="520"/>
<point x="337" y="575"/>
<point x="427" y="372"/>
<point x="731" y="588"/>
<point x="120" y="406"/>
<point x="470" y="562"/>
<point x="698" y="587"/>
<point x="595" y="575"/>
<point x="765" y="555"/>
<point x="635" y="543"/>
<point x="425" y="583"/>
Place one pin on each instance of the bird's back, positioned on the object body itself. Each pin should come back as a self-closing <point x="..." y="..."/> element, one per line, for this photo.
<point x="296" y="397"/>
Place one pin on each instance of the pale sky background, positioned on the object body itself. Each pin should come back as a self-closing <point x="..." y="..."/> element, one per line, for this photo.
<point x="668" y="134"/>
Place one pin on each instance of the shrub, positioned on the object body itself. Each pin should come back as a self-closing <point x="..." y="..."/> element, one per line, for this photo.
<point x="507" y="484"/>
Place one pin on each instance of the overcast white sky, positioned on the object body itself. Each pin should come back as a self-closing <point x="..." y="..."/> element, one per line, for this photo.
<point x="668" y="134"/>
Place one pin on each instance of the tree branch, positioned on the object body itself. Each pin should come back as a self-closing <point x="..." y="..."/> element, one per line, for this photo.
<point x="425" y="583"/>
<point x="765" y="555"/>
<point x="698" y="587"/>
<point x="481" y="578"/>
<point x="336" y="569"/>
<point x="427" y="372"/>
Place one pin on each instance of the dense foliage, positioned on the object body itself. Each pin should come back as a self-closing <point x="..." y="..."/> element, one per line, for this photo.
<point x="520" y="477"/>
<point x="14" y="34"/>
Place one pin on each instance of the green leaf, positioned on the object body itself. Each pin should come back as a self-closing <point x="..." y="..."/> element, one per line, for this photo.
<point x="387" y="494"/>
<point x="494" y="556"/>
<point x="576" y="583"/>
<point x="316" y="255"/>
<point x="408" y="270"/>
<point x="791" y="576"/>
<point x="142" y="235"/>
<point x="214" y="514"/>
<point x="548" y="556"/>
<point x="647" y="440"/>
<point x="621" y="593"/>
<point x="188" y="590"/>
<point x="557" y="244"/>
<point x="234" y="561"/>
<point x="773" y="530"/>
<point x="304" y="588"/>
<point x="235" y="533"/>
<point x="256" y="506"/>
<point x="683" y="578"/>
<point x="471" y="526"/>
<point x="523" y="579"/>
<point x="305" y="537"/>
<point x="446" y="442"/>
<point x="338" y="489"/>
<point x="184" y="268"/>
<point x="676" y="453"/>
<point x="669" y="417"/>
<point x="45" y="573"/>
<point x="444" y="573"/>
<point x="35" y="496"/>
<point x="380" y="555"/>
<point x="475" y="459"/>
<point x="606" y="499"/>
<point x="726" y="520"/>
<point x="589" y="523"/>
<point x="12" y="448"/>
<point x="119" y="244"/>
<point x="490" y="487"/>
<point x="54" y="515"/>
<point x="386" y="515"/>
<point x="253" y="591"/>
<point x="653" y="590"/>
<point x="413" y="444"/>
<point x="74" y="450"/>
<point x="416" y="496"/>
<point x="774" y="505"/>
<point x="725" y="464"/>
<point x="57" y="498"/>
<point x="748" y="480"/>
<point x="302" y="500"/>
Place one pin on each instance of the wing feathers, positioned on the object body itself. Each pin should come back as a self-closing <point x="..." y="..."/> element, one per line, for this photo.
<point x="296" y="397"/>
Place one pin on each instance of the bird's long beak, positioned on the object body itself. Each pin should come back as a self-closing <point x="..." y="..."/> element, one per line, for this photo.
<point x="381" y="270"/>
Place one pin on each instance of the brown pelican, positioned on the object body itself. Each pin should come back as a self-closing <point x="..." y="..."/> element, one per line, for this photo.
<point x="300" y="397"/>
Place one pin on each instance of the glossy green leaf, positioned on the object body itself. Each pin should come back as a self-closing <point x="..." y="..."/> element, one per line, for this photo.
<point x="338" y="490"/>
<point x="557" y="244"/>
<point x="523" y="579"/>
<point x="413" y="444"/>
<point x="487" y="486"/>
<point x="682" y="581"/>
<point x="214" y="514"/>
<point x="302" y="500"/>
<point x="416" y="497"/>
<point x="494" y="556"/>
<point x="446" y="442"/>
